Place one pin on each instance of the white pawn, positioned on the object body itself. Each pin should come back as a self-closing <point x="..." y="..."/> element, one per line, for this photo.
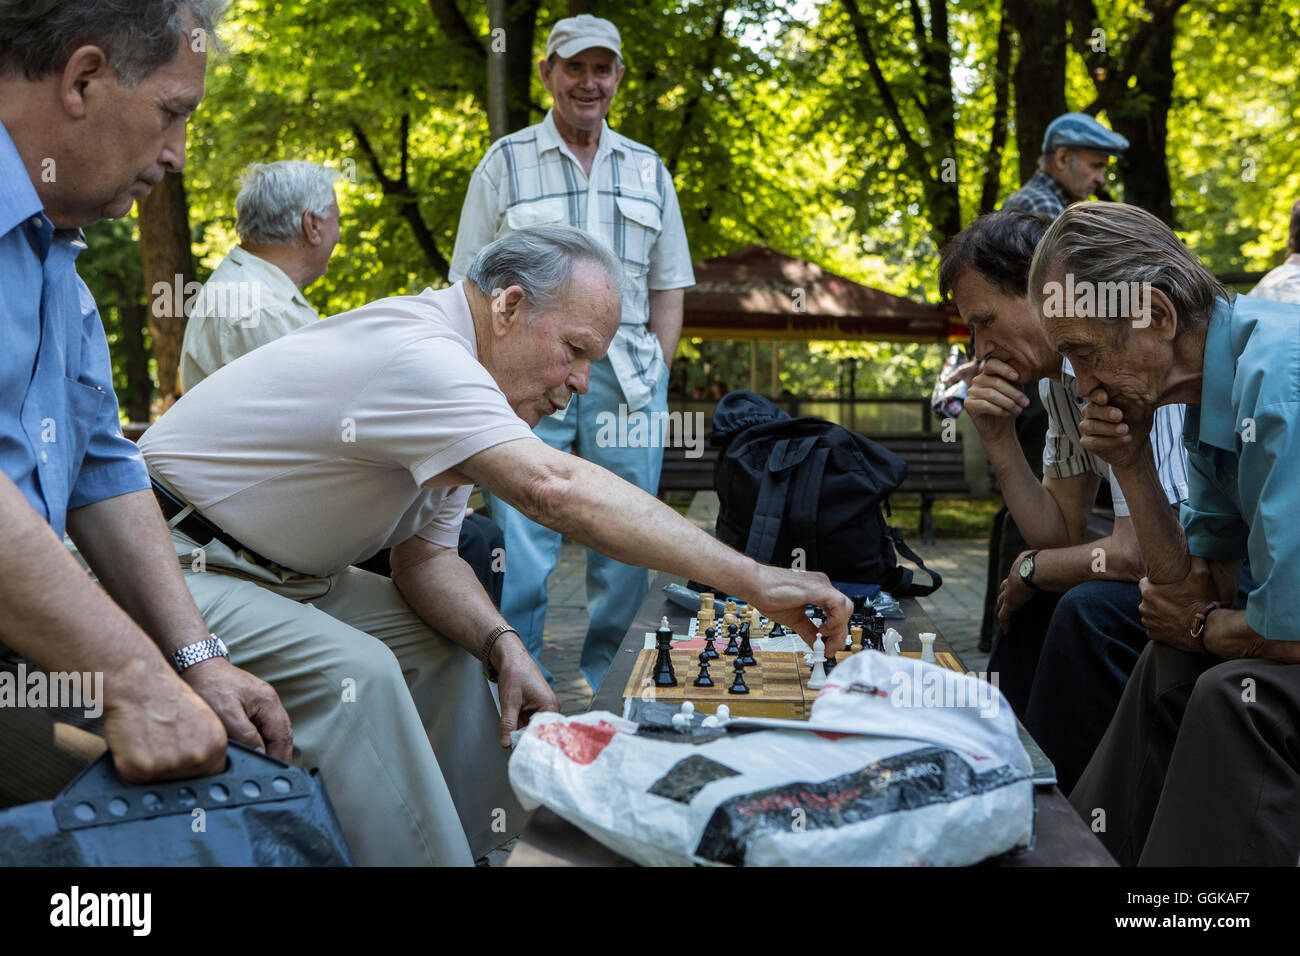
<point x="818" y="678"/>
<point x="688" y="709"/>
<point x="927" y="648"/>
<point x="710" y="721"/>
<point x="724" y="713"/>
<point x="893" y="640"/>
<point x="681" y="721"/>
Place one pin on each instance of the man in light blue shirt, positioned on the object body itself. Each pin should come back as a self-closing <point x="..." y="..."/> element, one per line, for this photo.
<point x="1199" y="766"/>
<point x="94" y="98"/>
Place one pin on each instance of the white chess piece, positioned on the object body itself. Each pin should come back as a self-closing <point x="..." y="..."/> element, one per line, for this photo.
<point x="893" y="640"/>
<point x="681" y="720"/>
<point x="927" y="648"/>
<point x="724" y="713"/>
<point x="818" y="678"/>
<point x="688" y="709"/>
<point x="710" y="721"/>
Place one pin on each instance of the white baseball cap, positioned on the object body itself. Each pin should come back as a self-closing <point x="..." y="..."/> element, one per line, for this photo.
<point x="572" y="35"/>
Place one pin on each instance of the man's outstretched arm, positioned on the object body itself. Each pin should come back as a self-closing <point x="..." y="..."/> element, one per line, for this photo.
<point x="594" y="506"/>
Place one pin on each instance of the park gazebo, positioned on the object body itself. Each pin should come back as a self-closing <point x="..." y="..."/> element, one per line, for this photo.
<point x="757" y="294"/>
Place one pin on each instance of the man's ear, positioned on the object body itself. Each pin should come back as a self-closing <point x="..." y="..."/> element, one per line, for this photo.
<point x="311" y="229"/>
<point x="86" y="68"/>
<point x="544" y="71"/>
<point x="1163" y="316"/>
<point x="509" y="308"/>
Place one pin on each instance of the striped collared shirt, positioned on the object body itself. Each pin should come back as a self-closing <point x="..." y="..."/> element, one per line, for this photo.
<point x="1063" y="457"/>
<point x="1042" y="194"/>
<point x="532" y="178"/>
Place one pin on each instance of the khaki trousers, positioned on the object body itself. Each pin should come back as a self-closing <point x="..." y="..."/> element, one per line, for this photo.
<point x="398" y="718"/>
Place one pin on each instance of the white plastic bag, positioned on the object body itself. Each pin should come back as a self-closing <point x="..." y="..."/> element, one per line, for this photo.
<point x="902" y="763"/>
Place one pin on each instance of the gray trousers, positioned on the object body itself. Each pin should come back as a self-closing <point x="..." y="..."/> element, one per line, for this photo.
<point x="1201" y="764"/>
<point x="398" y="718"/>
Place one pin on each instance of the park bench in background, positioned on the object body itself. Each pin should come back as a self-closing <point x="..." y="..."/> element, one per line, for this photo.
<point x="935" y="468"/>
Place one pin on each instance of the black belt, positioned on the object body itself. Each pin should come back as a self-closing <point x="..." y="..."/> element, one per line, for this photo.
<point x="198" y="528"/>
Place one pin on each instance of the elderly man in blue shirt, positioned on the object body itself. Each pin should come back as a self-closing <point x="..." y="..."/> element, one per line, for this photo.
<point x="94" y="98"/>
<point x="1199" y="765"/>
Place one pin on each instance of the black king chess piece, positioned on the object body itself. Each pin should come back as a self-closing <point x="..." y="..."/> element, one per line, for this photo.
<point x="709" y="651"/>
<point x="746" y="658"/>
<point x="732" y="647"/>
<point x="738" y="683"/>
<point x="704" y="680"/>
<point x="664" y="676"/>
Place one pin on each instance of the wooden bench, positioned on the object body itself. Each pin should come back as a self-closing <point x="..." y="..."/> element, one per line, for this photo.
<point x="935" y="468"/>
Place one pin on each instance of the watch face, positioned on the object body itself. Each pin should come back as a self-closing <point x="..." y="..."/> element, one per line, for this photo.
<point x="1026" y="568"/>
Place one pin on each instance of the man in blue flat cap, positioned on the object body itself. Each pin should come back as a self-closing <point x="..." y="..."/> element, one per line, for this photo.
<point x="1076" y="151"/>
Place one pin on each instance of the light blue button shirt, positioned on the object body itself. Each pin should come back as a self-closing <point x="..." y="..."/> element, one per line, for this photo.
<point x="60" y="439"/>
<point x="1243" y="454"/>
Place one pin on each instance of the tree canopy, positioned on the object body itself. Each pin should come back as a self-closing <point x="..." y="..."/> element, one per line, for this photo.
<point x="857" y="134"/>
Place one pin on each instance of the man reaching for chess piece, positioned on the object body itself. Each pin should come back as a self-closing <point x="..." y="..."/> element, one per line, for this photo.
<point x="429" y="394"/>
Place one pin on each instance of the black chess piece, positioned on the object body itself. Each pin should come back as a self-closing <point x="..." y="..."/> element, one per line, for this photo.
<point x="830" y="660"/>
<point x="746" y="658"/>
<point x="663" y="675"/>
<point x="709" y="651"/>
<point x="732" y="647"/>
<point x="704" y="680"/>
<point x="738" y="682"/>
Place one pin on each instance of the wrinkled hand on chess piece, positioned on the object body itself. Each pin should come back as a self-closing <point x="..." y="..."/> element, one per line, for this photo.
<point x="784" y="594"/>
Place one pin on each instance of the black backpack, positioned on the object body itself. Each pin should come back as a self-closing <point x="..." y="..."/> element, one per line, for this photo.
<point x="785" y="483"/>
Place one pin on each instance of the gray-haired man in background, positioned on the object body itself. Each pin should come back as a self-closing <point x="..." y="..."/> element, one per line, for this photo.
<point x="287" y="218"/>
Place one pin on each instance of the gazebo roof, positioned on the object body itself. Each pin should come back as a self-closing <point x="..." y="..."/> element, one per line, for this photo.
<point x="753" y="293"/>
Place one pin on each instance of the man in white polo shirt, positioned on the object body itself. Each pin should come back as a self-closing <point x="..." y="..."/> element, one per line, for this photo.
<point x="293" y="483"/>
<point x="572" y="168"/>
<point x="287" y="218"/>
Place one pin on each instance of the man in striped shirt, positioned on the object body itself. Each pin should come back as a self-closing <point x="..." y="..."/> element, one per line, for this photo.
<point x="1065" y="703"/>
<point x="573" y="169"/>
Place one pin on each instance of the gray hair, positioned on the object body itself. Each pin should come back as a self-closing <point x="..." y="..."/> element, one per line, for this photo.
<point x="540" y="261"/>
<point x="138" y="36"/>
<point x="1110" y="242"/>
<point x="273" y="197"/>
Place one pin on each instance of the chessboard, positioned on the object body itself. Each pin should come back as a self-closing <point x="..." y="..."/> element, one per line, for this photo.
<point x="778" y="682"/>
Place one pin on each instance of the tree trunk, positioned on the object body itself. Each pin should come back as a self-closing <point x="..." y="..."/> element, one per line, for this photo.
<point x="1143" y="117"/>
<point x="138" y="394"/>
<point x="998" y="134"/>
<point x="168" y="264"/>
<point x="1039" y="76"/>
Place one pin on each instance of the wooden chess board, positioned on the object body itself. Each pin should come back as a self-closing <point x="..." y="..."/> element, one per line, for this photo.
<point x="778" y="683"/>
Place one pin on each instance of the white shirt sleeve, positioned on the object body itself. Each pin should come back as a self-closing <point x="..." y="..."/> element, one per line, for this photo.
<point x="670" y="259"/>
<point x="480" y="217"/>
<point x="1063" y="457"/>
<point x="444" y="529"/>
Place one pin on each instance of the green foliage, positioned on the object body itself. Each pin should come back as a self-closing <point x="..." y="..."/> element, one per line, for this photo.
<point x="775" y="133"/>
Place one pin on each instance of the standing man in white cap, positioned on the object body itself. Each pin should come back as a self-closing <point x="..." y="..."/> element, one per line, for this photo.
<point x="571" y="168"/>
<point x="1076" y="151"/>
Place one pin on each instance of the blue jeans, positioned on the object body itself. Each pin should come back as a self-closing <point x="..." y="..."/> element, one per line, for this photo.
<point x="614" y="590"/>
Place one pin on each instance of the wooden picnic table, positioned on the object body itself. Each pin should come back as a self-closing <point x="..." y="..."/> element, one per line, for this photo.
<point x="1060" y="837"/>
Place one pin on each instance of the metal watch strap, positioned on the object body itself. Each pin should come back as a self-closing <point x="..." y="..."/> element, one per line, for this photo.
<point x="199" y="651"/>
<point x="489" y="671"/>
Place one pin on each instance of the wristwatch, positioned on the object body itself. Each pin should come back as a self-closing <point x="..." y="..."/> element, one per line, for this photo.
<point x="1027" y="571"/>
<point x="489" y="671"/>
<point x="192" y="654"/>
